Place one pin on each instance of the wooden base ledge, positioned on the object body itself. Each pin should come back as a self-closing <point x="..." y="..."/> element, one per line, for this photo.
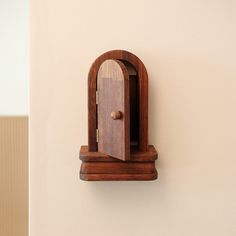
<point x="100" y="167"/>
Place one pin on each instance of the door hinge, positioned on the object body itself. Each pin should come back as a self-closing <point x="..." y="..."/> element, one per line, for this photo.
<point x="96" y="97"/>
<point x="97" y="135"/>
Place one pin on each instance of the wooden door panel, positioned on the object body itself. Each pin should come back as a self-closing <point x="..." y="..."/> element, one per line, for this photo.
<point x="113" y="109"/>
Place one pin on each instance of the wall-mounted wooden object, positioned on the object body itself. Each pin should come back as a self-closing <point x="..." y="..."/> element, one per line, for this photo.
<point x="118" y="121"/>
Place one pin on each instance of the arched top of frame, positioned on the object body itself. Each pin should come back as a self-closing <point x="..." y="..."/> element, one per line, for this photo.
<point x="117" y="55"/>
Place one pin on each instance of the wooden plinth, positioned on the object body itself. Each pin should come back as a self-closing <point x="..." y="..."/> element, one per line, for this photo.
<point x="97" y="166"/>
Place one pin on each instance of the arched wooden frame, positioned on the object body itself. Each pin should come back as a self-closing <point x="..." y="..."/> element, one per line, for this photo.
<point x="143" y="96"/>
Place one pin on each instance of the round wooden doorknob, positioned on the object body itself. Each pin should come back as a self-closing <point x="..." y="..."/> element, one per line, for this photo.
<point x="115" y="115"/>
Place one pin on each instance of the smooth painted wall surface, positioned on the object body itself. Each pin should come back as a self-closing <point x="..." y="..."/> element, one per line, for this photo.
<point x="189" y="50"/>
<point x="14" y="57"/>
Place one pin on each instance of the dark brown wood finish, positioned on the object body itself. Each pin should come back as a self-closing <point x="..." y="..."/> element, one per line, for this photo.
<point x="135" y="155"/>
<point x="113" y="109"/>
<point x="118" y="168"/>
<point x="142" y="90"/>
<point x="121" y="80"/>
<point x="118" y="177"/>
<point x="98" y="166"/>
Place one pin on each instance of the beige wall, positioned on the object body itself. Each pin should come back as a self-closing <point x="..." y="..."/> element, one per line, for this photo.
<point x="189" y="50"/>
<point x="13" y="176"/>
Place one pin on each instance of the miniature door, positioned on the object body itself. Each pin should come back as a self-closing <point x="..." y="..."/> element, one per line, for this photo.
<point x="113" y="110"/>
<point x="117" y="119"/>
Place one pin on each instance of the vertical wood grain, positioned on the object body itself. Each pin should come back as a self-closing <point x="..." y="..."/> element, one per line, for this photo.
<point x="13" y="176"/>
<point x="113" y="90"/>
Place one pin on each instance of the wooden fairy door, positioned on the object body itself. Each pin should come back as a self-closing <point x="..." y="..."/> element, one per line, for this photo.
<point x="113" y="110"/>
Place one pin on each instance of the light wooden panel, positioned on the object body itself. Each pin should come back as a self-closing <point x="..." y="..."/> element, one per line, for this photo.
<point x="13" y="176"/>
